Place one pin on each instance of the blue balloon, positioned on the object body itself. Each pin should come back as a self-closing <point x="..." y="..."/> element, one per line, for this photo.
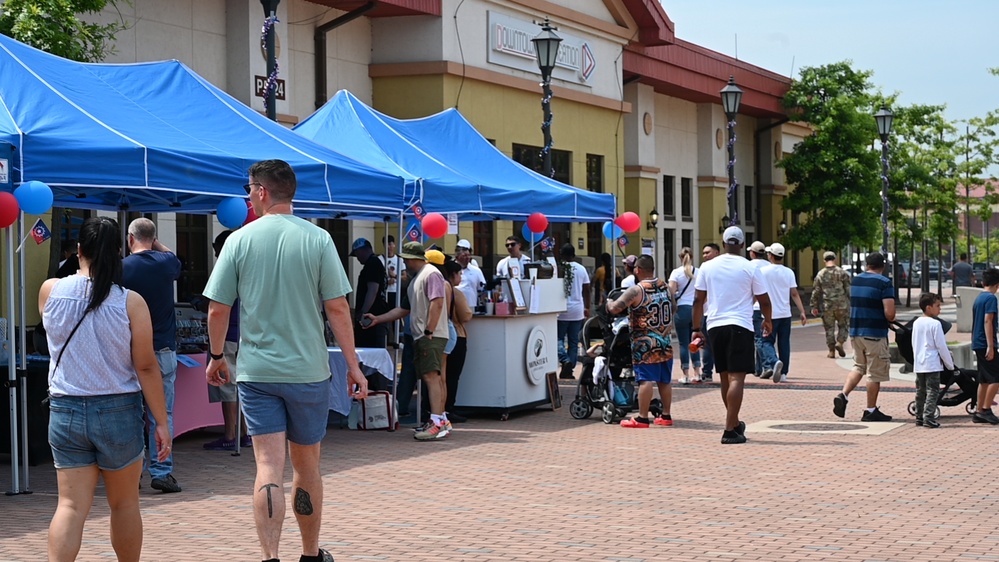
<point x="232" y="212"/>
<point x="34" y="197"/>
<point x="531" y="237"/>
<point x="612" y="231"/>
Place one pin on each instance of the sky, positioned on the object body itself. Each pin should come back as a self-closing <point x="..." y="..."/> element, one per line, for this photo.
<point x="928" y="52"/>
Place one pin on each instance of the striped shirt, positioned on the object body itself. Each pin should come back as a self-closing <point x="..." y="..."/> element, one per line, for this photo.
<point x="867" y="311"/>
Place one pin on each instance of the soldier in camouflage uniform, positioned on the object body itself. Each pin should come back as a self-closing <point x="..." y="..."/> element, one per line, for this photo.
<point x="831" y="296"/>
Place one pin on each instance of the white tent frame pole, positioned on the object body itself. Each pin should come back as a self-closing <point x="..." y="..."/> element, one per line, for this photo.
<point x="15" y="449"/>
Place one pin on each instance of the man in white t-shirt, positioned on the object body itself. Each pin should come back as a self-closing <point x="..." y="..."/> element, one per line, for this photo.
<point x="393" y="269"/>
<point x="570" y="322"/>
<point x="629" y="272"/>
<point x="512" y="266"/>
<point x="472" y="279"/>
<point x="782" y="288"/>
<point x="733" y="282"/>
<point x="758" y="259"/>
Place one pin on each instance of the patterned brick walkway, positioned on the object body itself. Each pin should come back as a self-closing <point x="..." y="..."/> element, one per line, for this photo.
<point x="543" y="486"/>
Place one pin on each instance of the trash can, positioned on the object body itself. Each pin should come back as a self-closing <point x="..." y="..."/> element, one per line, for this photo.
<point x="965" y="301"/>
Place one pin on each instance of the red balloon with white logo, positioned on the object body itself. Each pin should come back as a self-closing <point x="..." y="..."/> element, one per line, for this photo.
<point x="434" y="225"/>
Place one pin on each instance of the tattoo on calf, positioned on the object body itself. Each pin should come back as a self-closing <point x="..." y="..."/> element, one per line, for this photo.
<point x="270" y="500"/>
<point x="303" y="503"/>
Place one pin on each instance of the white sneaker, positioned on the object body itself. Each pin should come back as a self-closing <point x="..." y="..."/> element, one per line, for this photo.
<point x="778" y="371"/>
<point x="684" y="380"/>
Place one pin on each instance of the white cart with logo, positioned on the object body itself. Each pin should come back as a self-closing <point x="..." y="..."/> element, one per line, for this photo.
<point x="509" y="357"/>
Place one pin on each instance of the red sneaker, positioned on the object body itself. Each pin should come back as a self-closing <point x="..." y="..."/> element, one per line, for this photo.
<point x="664" y="420"/>
<point x="633" y="422"/>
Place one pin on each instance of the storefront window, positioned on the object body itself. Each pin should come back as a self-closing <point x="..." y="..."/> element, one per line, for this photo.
<point x="669" y="197"/>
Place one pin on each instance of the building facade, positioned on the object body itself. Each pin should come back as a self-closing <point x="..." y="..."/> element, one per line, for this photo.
<point x="636" y="110"/>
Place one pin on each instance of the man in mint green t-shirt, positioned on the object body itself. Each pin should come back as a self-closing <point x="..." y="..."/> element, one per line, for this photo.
<point x="285" y="271"/>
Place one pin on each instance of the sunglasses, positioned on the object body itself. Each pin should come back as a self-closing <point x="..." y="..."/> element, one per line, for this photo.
<point x="511" y="244"/>
<point x="251" y="184"/>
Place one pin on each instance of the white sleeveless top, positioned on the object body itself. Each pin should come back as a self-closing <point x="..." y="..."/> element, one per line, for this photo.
<point x="98" y="359"/>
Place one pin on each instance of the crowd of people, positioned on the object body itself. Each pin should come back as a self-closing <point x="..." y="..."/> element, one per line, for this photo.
<point x="277" y="278"/>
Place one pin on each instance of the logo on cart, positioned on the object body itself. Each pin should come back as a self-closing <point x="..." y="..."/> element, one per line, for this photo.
<point x="537" y="356"/>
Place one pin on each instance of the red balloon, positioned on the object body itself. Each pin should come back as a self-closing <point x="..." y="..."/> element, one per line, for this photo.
<point x="8" y="209"/>
<point x="434" y="225"/>
<point x="537" y="222"/>
<point x="250" y="215"/>
<point x="629" y="222"/>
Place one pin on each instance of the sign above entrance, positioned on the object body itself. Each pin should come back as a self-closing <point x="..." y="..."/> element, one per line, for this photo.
<point x="510" y="45"/>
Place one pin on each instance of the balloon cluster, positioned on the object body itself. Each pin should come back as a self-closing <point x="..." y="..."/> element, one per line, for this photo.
<point x="32" y="197"/>
<point x="627" y="222"/>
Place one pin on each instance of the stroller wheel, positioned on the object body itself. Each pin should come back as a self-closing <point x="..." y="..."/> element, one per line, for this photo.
<point x="580" y="409"/>
<point x="912" y="408"/>
<point x="656" y="407"/>
<point x="971" y="407"/>
<point x="608" y="413"/>
<point x="938" y="412"/>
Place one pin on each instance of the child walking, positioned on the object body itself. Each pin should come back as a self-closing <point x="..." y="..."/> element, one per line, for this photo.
<point x="930" y="356"/>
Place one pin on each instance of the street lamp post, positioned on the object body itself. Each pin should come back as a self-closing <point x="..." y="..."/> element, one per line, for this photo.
<point x="270" y="13"/>
<point x="546" y="46"/>
<point x="731" y="96"/>
<point x="884" y="118"/>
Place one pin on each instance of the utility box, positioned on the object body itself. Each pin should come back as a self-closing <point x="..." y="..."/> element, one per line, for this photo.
<point x="965" y="301"/>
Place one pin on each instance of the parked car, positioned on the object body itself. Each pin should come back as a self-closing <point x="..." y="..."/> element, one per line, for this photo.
<point x="934" y="269"/>
<point x="978" y="268"/>
<point x="908" y="277"/>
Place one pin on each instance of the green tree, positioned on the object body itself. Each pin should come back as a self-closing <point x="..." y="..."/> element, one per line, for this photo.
<point x="54" y="26"/>
<point x="835" y="173"/>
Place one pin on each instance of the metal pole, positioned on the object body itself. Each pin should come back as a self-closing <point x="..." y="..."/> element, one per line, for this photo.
<point x="546" y="125"/>
<point x="884" y="196"/>
<point x="270" y="11"/>
<point x="15" y="449"/>
<point x="22" y="351"/>
<point x="967" y="190"/>
<point x="732" y="212"/>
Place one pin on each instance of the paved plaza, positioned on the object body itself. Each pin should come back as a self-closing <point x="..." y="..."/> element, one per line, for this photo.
<point x="542" y="486"/>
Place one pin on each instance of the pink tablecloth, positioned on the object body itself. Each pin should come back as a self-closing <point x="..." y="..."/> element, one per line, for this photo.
<point x="191" y="408"/>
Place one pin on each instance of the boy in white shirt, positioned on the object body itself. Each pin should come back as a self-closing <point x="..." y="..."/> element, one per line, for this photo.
<point x="930" y="356"/>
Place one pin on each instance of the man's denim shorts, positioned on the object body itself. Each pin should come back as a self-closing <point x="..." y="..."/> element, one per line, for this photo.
<point x="103" y="430"/>
<point x="298" y="409"/>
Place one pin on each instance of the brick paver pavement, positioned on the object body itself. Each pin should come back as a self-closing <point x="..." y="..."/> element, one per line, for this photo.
<point x="543" y="486"/>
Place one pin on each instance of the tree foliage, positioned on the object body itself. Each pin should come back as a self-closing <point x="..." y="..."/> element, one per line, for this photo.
<point x="835" y="171"/>
<point x="54" y="26"/>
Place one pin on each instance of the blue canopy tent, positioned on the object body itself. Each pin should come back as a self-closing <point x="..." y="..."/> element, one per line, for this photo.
<point x="463" y="172"/>
<point x="157" y="137"/>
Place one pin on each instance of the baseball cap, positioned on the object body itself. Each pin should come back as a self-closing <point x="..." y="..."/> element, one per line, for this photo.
<point x="733" y="235"/>
<point x="829" y="256"/>
<point x="435" y="257"/>
<point x="412" y="251"/>
<point x="777" y="249"/>
<point x="358" y="244"/>
<point x="463" y="244"/>
<point x="630" y="260"/>
<point x="757" y="247"/>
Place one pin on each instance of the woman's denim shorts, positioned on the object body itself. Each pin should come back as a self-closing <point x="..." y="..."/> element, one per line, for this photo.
<point x="103" y="430"/>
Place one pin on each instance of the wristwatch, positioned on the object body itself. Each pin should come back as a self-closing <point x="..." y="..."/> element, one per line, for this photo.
<point x="215" y="357"/>
<point x="428" y="332"/>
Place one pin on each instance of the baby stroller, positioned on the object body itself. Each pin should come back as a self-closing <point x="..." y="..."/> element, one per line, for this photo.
<point x="607" y="382"/>
<point x="956" y="387"/>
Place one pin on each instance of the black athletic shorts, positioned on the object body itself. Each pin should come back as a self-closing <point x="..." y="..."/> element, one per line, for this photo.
<point x="734" y="349"/>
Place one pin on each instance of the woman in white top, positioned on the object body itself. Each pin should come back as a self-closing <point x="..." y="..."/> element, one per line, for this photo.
<point x="681" y="286"/>
<point x="96" y="391"/>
